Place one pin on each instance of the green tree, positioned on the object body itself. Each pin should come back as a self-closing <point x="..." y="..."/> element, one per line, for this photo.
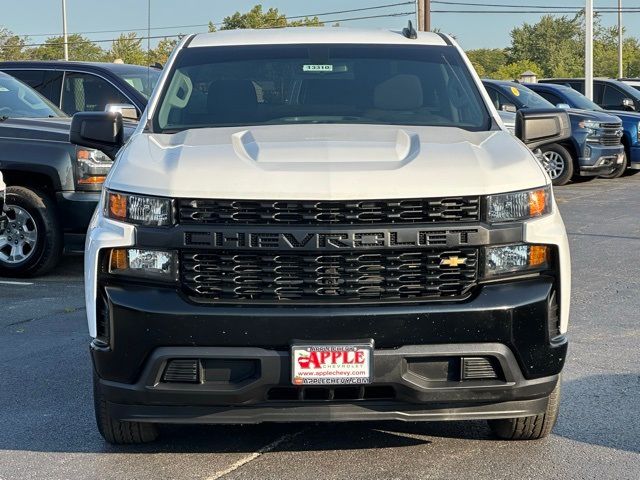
<point x="128" y="48"/>
<point x="512" y="71"/>
<point x="556" y="44"/>
<point x="257" y="18"/>
<point x="12" y="47"/>
<point x="161" y="53"/>
<point x="80" y="48"/>
<point x="487" y="61"/>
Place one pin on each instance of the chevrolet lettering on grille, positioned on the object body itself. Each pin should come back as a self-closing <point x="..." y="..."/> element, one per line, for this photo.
<point x="323" y="240"/>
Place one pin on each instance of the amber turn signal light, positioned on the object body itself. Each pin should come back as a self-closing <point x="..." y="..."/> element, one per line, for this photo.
<point x="537" y="202"/>
<point x="538" y="255"/>
<point x="117" y="205"/>
<point x="118" y="260"/>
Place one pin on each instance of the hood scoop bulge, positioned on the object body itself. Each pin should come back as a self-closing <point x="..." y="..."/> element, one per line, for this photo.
<point x="347" y="149"/>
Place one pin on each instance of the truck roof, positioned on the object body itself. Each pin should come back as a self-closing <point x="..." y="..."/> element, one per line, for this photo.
<point x="301" y="35"/>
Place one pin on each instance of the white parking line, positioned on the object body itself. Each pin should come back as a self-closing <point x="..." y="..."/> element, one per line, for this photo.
<point x="254" y="455"/>
<point x="7" y="282"/>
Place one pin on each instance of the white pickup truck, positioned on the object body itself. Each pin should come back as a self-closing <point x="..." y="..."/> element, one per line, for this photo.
<point x="325" y="224"/>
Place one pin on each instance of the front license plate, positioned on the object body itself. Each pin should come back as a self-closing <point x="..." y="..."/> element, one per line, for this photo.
<point x="331" y="364"/>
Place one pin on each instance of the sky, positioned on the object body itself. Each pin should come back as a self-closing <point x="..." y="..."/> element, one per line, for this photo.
<point x="472" y="30"/>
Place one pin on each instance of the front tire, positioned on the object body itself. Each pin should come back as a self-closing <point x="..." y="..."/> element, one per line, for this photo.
<point x="33" y="242"/>
<point x="117" y="432"/>
<point x="619" y="170"/>
<point x="558" y="163"/>
<point x="533" y="427"/>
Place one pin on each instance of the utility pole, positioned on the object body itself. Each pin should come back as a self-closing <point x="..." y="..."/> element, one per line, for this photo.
<point x="64" y="29"/>
<point x="424" y="15"/>
<point x="620" y="68"/>
<point x="588" y="51"/>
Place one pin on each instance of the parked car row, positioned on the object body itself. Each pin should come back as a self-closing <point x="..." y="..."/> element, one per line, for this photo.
<point x="595" y="147"/>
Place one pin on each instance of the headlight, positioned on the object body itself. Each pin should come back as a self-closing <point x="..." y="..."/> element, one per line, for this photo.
<point x="92" y="167"/>
<point x="515" y="258"/>
<point x="591" y="126"/>
<point x="139" y="209"/>
<point x="141" y="263"/>
<point x="509" y="207"/>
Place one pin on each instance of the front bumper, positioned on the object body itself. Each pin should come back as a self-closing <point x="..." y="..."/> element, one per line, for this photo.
<point x="416" y="398"/>
<point x="76" y="210"/>
<point x="509" y="323"/>
<point x="602" y="160"/>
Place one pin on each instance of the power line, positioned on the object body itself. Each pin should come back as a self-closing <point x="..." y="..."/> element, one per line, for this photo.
<point x="146" y="37"/>
<point x="555" y="7"/>
<point x="553" y="12"/>
<point x="199" y="25"/>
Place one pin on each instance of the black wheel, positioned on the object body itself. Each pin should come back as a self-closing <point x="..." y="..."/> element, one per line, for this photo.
<point x="115" y="431"/>
<point x="620" y="168"/>
<point x="32" y="244"/>
<point x="558" y="163"/>
<point x="529" y="428"/>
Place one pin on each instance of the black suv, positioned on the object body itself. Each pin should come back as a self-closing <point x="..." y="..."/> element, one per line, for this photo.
<point x="88" y="87"/>
<point x="53" y="186"/>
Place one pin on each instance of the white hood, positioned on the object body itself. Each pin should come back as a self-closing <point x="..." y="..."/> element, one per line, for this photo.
<point x="325" y="162"/>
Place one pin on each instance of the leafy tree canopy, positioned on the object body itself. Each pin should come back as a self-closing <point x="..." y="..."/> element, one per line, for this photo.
<point x="257" y="18"/>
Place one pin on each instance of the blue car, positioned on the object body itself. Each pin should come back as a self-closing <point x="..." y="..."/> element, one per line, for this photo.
<point x="594" y="148"/>
<point x="565" y="95"/>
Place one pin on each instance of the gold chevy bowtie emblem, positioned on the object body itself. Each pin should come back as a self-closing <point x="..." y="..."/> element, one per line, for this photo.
<point x="453" y="261"/>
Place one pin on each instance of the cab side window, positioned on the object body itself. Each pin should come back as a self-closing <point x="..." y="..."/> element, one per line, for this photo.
<point x="84" y="92"/>
<point x="612" y="98"/>
<point x="498" y="99"/>
<point x="551" y="97"/>
<point x="46" y="82"/>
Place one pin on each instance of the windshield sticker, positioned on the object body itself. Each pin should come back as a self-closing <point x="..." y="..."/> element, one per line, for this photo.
<point x="317" y="68"/>
<point x="515" y="91"/>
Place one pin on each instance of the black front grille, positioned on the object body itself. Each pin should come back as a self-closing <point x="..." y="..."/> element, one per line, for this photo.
<point x="385" y="275"/>
<point x="309" y="212"/>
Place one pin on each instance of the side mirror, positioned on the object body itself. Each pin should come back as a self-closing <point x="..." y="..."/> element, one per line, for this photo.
<point x="125" y="109"/>
<point x="563" y="106"/>
<point x="538" y="127"/>
<point x="508" y="107"/>
<point x="629" y="104"/>
<point x="99" y="130"/>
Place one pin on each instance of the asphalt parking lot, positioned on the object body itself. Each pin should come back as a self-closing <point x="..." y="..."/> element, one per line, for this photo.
<point x="47" y="429"/>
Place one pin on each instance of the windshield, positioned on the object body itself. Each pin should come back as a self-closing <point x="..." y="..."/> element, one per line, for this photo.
<point x="284" y="84"/>
<point x="525" y="97"/>
<point x="143" y="80"/>
<point x="577" y="100"/>
<point x="18" y="100"/>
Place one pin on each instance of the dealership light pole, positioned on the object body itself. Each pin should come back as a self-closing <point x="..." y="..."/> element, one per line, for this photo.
<point x="588" y="51"/>
<point x="64" y="29"/>
<point x="620" y="72"/>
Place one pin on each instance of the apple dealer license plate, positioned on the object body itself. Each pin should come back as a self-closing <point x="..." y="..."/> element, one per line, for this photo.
<point x="332" y="364"/>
